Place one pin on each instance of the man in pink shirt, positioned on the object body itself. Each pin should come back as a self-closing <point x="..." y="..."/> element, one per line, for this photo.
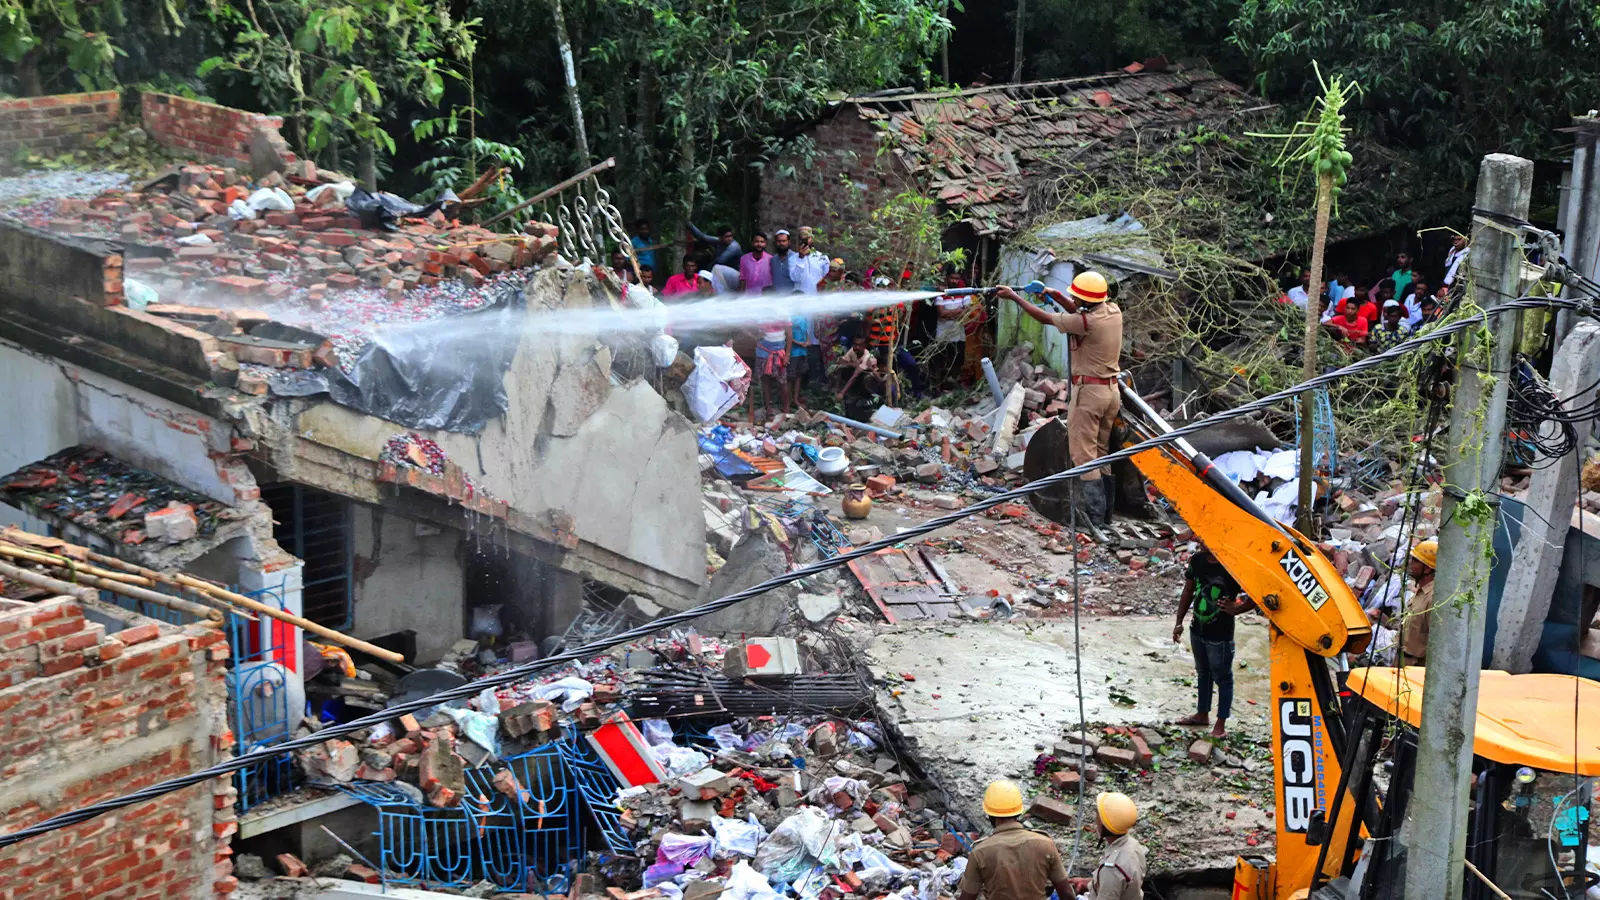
<point x="755" y="270"/>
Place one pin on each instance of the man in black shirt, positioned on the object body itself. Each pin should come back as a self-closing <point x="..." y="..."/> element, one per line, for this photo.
<point x="1216" y="599"/>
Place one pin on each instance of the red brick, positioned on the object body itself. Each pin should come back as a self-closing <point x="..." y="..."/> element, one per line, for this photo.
<point x="138" y="634"/>
<point x="291" y="865"/>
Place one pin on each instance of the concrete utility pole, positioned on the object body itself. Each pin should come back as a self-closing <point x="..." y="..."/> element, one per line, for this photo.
<point x="1582" y="244"/>
<point x="1436" y="821"/>
<point x="1552" y="492"/>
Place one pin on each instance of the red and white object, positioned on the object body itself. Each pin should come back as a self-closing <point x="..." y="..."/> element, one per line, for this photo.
<point x="624" y="751"/>
<point x="763" y="656"/>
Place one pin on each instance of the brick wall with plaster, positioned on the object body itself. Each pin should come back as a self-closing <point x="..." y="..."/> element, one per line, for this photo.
<point x="207" y="131"/>
<point x="837" y="190"/>
<point x="56" y="123"/>
<point x="89" y="715"/>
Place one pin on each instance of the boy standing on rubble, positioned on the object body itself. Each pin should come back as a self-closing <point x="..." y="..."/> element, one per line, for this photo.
<point x="1216" y="598"/>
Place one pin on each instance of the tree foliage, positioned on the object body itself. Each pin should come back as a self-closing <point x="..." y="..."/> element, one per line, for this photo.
<point x="342" y="69"/>
<point x="1449" y="79"/>
<point x="71" y="37"/>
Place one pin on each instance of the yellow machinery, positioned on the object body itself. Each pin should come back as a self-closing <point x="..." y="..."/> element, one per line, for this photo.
<point x="1336" y="840"/>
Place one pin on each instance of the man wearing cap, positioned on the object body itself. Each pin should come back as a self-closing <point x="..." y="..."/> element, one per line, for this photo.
<point x="781" y="256"/>
<point x="1094" y="328"/>
<point x="1013" y="863"/>
<point x="1391" y="330"/>
<point x="809" y="265"/>
<point x="1121" y="872"/>
<point x="1414" y="621"/>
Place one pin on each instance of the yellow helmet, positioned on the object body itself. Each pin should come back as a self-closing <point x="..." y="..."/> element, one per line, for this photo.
<point x="1427" y="553"/>
<point x="1117" y="812"/>
<point x="1089" y="287"/>
<point x="1002" y="799"/>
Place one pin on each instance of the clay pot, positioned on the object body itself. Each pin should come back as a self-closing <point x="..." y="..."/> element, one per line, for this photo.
<point x="856" y="503"/>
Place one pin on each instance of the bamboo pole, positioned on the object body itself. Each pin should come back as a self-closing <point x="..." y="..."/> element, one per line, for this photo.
<point x="79" y="590"/>
<point x="233" y="599"/>
<point x="549" y="192"/>
<point x="214" y="592"/>
<point x="74" y="568"/>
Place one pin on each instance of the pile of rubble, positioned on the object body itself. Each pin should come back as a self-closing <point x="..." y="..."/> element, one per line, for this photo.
<point x="290" y="270"/>
<point x="719" y="803"/>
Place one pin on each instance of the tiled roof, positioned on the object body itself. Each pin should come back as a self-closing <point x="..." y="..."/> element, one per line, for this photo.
<point x="979" y="147"/>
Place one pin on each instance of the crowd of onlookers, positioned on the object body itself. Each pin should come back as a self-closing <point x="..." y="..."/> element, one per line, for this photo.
<point x="1381" y="314"/>
<point x="861" y="359"/>
<point x="854" y="361"/>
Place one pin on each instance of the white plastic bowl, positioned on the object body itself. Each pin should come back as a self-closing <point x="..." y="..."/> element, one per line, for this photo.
<point x="832" y="461"/>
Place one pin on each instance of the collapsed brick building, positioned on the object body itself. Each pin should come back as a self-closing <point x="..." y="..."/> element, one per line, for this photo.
<point x="979" y="150"/>
<point x="341" y="418"/>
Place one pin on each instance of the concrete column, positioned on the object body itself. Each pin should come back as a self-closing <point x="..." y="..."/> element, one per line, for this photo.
<point x="1437" y="816"/>
<point x="1552" y="491"/>
<point x="1581" y="212"/>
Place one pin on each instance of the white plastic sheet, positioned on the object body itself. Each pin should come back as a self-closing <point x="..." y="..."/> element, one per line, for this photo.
<point x="341" y="191"/>
<point x="736" y="837"/>
<point x="663" y="349"/>
<point x="656" y="731"/>
<point x="684" y="849"/>
<point x="572" y="691"/>
<point x="270" y="198"/>
<point x="745" y="883"/>
<point x="805" y="838"/>
<point x="717" y="384"/>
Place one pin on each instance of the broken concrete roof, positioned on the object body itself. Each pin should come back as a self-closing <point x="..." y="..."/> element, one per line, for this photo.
<point x="122" y="504"/>
<point x="979" y="147"/>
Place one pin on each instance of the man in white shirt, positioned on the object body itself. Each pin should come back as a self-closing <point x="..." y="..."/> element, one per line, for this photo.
<point x="1299" y="295"/>
<point x="1455" y="258"/>
<point x="808" y="266"/>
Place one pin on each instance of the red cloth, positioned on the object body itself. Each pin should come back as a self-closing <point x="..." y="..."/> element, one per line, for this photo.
<point x="1354" y="332"/>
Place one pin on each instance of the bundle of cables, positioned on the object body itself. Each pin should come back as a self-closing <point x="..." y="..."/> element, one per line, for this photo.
<point x="1540" y="424"/>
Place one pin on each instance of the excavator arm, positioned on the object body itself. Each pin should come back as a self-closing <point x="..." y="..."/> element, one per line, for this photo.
<point x="1314" y="616"/>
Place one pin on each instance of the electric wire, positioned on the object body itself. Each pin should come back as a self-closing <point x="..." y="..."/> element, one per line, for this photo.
<point x="588" y="651"/>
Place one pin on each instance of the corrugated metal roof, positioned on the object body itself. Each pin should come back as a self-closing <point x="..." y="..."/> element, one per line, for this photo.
<point x="979" y="147"/>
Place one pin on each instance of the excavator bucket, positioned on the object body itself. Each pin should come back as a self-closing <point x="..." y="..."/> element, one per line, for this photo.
<point x="1046" y="455"/>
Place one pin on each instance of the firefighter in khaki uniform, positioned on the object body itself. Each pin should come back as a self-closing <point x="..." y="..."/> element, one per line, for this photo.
<point x="1095" y="328"/>
<point x="1013" y="863"/>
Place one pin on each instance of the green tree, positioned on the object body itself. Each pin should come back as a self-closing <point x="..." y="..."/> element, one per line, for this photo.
<point x="685" y="91"/>
<point x="341" y="70"/>
<point x="61" y="44"/>
<point x="1452" y="79"/>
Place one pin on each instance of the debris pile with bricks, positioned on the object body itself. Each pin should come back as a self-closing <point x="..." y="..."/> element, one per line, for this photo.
<point x="113" y="499"/>
<point x="283" y="269"/>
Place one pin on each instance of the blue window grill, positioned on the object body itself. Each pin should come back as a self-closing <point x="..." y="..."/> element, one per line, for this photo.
<point x="260" y="695"/>
<point x="520" y="836"/>
<point x="598" y="787"/>
<point x="1324" y="438"/>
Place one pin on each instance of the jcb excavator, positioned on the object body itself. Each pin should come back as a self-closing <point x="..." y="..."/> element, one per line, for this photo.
<point x="1339" y="837"/>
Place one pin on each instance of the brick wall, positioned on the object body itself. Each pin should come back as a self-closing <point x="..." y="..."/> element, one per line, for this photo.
<point x="85" y="717"/>
<point x="838" y="190"/>
<point x="207" y="131"/>
<point x="56" y="123"/>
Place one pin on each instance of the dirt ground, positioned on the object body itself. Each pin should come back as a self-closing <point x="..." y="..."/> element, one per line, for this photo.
<point x="982" y="699"/>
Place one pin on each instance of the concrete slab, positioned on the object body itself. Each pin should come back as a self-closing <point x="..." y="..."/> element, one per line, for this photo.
<point x="263" y="820"/>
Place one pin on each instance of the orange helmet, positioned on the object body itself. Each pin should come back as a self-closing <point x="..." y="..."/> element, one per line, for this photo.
<point x="1089" y="287"/>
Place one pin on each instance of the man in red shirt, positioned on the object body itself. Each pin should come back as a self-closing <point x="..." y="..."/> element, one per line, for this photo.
<point x="1350" y="327"/>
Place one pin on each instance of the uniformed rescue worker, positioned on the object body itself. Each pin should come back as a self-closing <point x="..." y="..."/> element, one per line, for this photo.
<point x="1121" y="872"/>
<point x="1013" y="863"/>
<point x="1094" y="329"/>
<point x="1419" y="610"/>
